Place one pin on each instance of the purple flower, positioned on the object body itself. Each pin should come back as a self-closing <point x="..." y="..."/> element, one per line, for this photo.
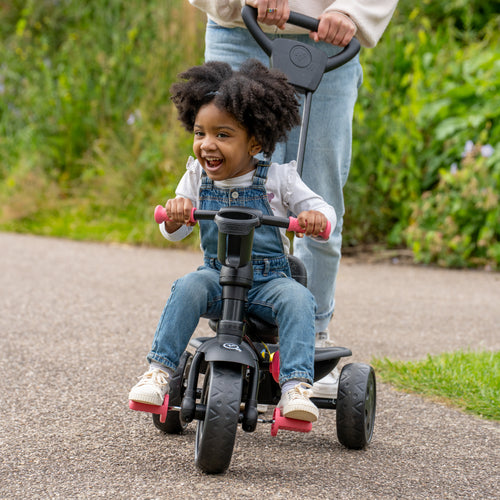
<point x="487" y="150"/>
<point x="469" y="146"/>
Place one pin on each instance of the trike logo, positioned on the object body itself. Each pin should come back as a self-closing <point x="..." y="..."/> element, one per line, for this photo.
<point x="231" y="347"/>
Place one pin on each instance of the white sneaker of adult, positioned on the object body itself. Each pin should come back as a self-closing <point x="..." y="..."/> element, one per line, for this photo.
<point x="327" y="386"/>
<point x="322" y="339"/>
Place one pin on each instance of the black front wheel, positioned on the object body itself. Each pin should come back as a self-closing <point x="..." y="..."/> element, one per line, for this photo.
<point x="356" y="402"/>
<point x="215" y="435"/>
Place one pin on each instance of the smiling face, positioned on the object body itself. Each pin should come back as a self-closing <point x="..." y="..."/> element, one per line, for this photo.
<point x="221" y="145"/>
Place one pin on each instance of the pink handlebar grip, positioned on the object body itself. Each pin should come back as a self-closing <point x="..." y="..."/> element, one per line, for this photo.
<point x="161" y="214"/>
<point x="295" y="227"/>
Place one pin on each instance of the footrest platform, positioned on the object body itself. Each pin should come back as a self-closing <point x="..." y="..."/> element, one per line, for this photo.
<point x="158" y="410"/>
<point x="288" y="424"/>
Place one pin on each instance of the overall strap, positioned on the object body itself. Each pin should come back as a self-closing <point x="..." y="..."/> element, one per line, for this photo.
<point x="260" y="176"/>
<point x="206" y="182"/>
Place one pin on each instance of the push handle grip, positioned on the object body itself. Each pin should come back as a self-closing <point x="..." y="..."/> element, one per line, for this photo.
<point x="249" y="16"/>
<point x="296" y="228"/>
<point x="161" y="215"/>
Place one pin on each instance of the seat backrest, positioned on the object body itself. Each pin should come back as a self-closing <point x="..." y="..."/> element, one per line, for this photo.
<point x="299" y="272"/>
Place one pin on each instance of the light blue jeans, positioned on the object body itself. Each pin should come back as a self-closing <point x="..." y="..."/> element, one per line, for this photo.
<point x="273" y="297"/>
<point x="328" y="152"/>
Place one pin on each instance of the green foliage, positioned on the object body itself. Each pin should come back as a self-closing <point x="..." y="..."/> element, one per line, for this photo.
<point x="429" y="88"/>
<point x="89" y="142"/>
<point x="467" y="16"/>
<point x="86" y="127"/>
<point x="457" y="224"/>
<point x="469" y="380"/>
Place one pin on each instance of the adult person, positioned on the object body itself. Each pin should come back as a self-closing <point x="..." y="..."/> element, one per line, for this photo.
<point x="328" y="151"/>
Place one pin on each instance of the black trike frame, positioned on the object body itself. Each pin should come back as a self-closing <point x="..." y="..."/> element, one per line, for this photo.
<point x="240" y="339"/>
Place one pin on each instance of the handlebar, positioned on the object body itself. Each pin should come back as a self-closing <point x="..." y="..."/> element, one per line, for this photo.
<point x="289" y="223"/>
<point x="249" y="15"/>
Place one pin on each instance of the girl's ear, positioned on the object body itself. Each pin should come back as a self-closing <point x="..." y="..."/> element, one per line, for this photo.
<point x="254" y="147"/>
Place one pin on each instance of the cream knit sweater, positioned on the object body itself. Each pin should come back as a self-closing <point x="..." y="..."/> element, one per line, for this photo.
<point x="370" y="16"/>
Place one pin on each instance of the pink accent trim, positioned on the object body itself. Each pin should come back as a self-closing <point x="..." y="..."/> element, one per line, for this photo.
<point x="158" y="410"/>
<point x="161" y="215"/>
<point x="288" y="424"/>
<point x="295" y="227"/>
<point x="326" y="233"/>
<point x="191" y="218"/>
<point x="274" y="367"/>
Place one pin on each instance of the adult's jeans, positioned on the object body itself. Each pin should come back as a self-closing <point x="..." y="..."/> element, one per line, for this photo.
<point x="328" y="151"/>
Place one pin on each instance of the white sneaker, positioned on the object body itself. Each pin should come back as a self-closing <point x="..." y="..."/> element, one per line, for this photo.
<point x="323" y="340"/>
<point x="327" y="386"/>
<point x="151" y="388"/>
<point x="295" y="403"/>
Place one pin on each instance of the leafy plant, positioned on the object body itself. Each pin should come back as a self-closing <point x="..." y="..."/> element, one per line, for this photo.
<point x="457" y="224"/>
<point x="417" y="108"/>
<point x="86" y="126"/>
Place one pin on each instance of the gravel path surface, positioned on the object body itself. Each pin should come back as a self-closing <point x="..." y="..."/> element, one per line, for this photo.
<point x="77" y="319"/>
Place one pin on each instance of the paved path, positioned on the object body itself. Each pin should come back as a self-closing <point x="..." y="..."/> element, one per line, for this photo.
<point x="76" y="321"/>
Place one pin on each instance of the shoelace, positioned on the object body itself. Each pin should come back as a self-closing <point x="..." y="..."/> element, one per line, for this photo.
<point x="301" y="390"/>
<point x="154" y="376"/>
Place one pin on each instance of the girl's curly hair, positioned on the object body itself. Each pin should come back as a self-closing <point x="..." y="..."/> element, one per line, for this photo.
<point x="260" y="99"/>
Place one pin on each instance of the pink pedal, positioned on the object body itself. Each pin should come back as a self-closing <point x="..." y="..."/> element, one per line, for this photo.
<point x="158" y="410"/>
<point x="288" y="424"/>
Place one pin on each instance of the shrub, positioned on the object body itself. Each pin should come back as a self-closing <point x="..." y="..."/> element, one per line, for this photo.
<point x="457" y="224"/>
<point x="426" y="93"/>
<point x="85" y="105"/>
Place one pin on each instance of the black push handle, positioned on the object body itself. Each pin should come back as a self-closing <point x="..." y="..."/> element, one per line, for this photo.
<point x="249" y="15"/>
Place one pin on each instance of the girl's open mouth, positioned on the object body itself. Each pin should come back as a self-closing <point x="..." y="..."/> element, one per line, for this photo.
<point x="213" y="163"/>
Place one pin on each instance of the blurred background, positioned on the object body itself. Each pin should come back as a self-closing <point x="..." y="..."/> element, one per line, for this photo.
<point x="90" y="143"/>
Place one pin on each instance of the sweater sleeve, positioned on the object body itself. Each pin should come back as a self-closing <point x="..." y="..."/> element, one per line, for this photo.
<point x="370" y="16"/>
<point x="224" y="10"/>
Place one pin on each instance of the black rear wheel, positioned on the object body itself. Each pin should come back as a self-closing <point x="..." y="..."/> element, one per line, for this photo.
<point x="215" y="435"/>
<point x="356" y="403"/>
<point x="174" y="423"/>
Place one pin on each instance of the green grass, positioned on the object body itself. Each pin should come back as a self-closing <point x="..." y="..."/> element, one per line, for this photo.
<point x="469" y="380"/>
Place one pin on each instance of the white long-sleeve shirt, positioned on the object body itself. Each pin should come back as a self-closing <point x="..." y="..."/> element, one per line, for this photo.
<point x="371" y="17"/>
<point x="286" y="192"/>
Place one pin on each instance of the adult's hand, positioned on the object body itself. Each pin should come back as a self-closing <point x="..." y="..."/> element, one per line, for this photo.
<point x="335" y="28"/>
<point x="272" y="12"/>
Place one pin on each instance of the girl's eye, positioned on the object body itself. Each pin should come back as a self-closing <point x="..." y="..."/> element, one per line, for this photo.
<point x="222" y="134"/>
<point x="198" y="133"/>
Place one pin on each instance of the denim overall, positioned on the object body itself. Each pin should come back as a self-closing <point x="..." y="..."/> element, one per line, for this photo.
<point x="275" y="296"/>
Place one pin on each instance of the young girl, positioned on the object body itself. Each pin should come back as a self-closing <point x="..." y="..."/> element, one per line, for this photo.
<point x="235" y="116"/>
